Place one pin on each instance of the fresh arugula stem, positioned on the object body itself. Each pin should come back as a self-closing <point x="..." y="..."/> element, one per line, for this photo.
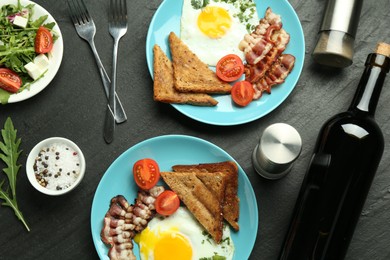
<point x="17" y="50"/>
<point x="14" y="206"/>
<point x="19" y="30"/>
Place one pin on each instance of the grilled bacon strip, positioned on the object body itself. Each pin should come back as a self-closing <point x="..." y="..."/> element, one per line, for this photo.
<point x="122" y="251"/>
<point x="254" y="72"/>
<point x="123" y="221"/>
<point x="275" y="75"/>
<point x="260" y="42"/>
<point x="263" y="48"/>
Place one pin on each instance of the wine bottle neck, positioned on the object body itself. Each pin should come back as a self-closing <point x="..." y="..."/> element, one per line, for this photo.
<point x="371" y="83"/>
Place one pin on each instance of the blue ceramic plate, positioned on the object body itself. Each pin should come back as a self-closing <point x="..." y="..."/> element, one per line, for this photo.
<point x="167" y="19"/>
<point x="167" y="151"/>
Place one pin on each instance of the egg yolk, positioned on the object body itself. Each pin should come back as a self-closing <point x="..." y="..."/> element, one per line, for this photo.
<point x="165" y="245"/>
<point x="173" y="247"/>
<point x="214" y="21"/>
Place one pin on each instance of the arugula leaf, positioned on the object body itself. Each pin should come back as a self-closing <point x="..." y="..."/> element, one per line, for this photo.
<point x="198" y="4"/>
<point x="9" y="154"/>
<point x="39" y="21"/>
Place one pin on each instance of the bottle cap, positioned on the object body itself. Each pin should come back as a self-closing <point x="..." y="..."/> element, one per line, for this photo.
<point x="383" y="49"/>
<point x="278" y="148"/>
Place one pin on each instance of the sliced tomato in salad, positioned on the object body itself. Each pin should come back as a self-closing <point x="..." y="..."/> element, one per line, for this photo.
<point x="167" y="203"/>
<point x="230" y="68"/>
<point x="43" y="40"/>
<point x="242" y="93"/>
<point x="146" y="173"/>
<point x="9" y="80"/>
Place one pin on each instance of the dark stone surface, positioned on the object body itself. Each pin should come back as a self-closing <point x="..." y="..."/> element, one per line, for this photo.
<point x="73" y="106"/>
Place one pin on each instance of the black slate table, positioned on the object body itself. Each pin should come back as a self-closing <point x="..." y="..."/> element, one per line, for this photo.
<point x="73" y="107"/>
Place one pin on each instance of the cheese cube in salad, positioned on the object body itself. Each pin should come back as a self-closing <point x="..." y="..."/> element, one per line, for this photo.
<point x="42" y="61"/>
<point x="20" y="21"/>
<point x="33" y="70"/>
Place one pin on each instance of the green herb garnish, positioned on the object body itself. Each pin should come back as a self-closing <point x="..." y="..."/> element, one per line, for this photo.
<point x="247" y="9"/>
<point x="9" y="154"/>
<point x="214" y="257"/>
<point x="198" y="4"/>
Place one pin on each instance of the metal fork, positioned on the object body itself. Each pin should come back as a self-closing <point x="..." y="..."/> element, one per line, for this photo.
<point x="86" y="29"/>
<point x="117" y="26"/>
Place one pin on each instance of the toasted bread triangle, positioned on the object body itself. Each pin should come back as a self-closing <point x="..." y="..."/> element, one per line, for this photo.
<point x="202" y="203"/>
<point x="163" y="88"/>
<point x="231" y="208"/>
<point x="190" y="73"/>
<point x="216" y="182"/>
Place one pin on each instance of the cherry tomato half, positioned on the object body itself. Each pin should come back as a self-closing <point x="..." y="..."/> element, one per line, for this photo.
<point x="9" y="80"/>
<point x="43" y="40"/>
<point x="230" y="68"/>
<point x="167" y="203"/>
<point x="146" y="173"/>
<point x="242" y="93"/>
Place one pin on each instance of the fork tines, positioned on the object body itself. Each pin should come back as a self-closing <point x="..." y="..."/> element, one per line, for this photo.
<point x="78" y="12"/>
<point x="118" y="11"/>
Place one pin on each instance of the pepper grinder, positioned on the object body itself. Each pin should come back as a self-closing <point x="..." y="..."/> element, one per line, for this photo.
<point x="337" y="34"/>
<point x="278" y="148"/>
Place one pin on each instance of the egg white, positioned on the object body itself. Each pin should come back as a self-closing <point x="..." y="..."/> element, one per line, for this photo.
<point x="211" y="50"/>
<point x="183" y="222"/>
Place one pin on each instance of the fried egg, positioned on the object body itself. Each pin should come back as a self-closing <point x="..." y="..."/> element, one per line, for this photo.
<point x="215" y="30"/>
<point x="181" y="237"/>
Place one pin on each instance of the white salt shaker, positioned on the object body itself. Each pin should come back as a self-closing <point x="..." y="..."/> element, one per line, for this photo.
<point x="278" y="148"/>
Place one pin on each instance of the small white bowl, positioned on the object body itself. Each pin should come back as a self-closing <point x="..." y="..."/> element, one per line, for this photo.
<point x="34" y="154"/>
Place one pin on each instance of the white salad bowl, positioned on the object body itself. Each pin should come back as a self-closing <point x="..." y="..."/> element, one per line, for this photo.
<point x="55" y="56"/>
<point x="33" y="155"/>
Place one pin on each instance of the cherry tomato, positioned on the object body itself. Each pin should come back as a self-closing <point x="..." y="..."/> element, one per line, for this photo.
<point x="230" y="68"/>
<point x="9" y="80"/>
<point x="146" y="173"/>
<point x="242" y="93"/>
<point x="43" y="40"/>
<point x="167" y="203"/>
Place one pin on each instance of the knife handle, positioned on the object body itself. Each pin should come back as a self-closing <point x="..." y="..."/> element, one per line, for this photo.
<point x="109" y="125"/>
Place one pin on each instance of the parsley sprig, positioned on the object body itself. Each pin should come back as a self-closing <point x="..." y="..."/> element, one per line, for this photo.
<point x="9" y="154"/>
<point x="199" y="4"/>
<point x="246" y="10"/>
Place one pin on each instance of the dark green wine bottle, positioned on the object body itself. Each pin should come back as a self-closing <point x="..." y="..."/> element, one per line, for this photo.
<point x="346" y="156"/>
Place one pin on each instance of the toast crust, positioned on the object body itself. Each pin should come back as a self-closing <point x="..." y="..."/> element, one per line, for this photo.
<point x="163" y="85"/>
<point x="190" y="73"/>
<point x="231" y="208"/>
